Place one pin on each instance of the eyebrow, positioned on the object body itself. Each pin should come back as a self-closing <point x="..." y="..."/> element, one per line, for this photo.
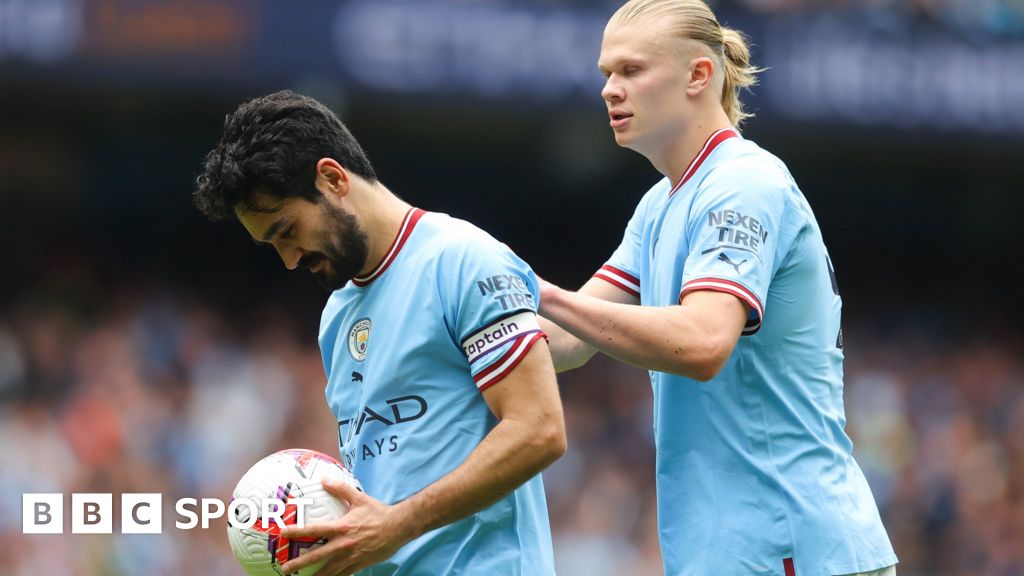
<point x="273" y="229"/>
<point x="621" y="61"/>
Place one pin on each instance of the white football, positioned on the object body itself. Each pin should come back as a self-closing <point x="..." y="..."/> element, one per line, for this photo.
<point x="268" y="485"/>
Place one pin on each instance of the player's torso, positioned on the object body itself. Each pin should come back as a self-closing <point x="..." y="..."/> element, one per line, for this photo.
<point x="409" y="412"/>
<point x="802" y="307"/>
<point x="398" y="383"/>
<point x="767" y="431"/>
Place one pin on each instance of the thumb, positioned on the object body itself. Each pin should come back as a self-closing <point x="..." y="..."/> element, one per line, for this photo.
<point x="344" y="491"/>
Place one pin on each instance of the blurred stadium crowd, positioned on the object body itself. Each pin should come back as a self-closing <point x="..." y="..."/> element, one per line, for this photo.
<point x="140" y="391"/>
<point x="971" y="16"/>
<point x="988" y="18"/>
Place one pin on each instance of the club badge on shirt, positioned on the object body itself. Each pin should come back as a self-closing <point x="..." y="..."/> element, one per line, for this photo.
<point x="358" y="338"/>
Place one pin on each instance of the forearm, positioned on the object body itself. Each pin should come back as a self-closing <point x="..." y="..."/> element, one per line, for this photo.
<point x="654" y="338"/>
<point x="567" y="351"/>
<point x="512" y="453"/>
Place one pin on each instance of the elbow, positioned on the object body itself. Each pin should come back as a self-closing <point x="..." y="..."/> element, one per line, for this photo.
<point x="556" y="443"/>
<point x="709" y="361"/>
<point x="704" y="372"/>
<point x="550" y="442"/>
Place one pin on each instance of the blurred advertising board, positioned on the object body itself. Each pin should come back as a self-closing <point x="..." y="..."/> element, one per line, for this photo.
<point x="822" y="65"/>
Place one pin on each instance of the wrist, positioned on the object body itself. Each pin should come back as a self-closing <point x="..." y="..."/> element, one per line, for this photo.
<point x="550" y="300"/>
<point x="407" y="520"/>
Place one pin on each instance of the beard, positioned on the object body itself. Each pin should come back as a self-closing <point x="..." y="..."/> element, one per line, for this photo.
<point x="345" y="248"/>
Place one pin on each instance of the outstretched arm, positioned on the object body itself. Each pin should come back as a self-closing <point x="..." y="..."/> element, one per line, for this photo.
<point x="693" y="339"/>
<point x="567" y="351"/>
<point x="529" y="436"/>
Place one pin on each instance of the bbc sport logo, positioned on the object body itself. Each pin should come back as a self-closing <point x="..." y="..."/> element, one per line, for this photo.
<point x="142" y="513"/>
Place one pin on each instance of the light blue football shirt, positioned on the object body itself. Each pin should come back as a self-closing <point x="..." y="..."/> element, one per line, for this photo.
<point x="407" y="350"/>
<point x="755" y="472"/>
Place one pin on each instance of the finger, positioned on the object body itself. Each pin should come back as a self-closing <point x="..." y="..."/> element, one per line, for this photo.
<point x="314" y="530"/>
<point x="345" y="491"/>
<point x="334" y="548"/>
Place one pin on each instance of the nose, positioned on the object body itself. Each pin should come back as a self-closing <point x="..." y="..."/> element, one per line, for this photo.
<point x="290" y="255"/>
<point x="612" y="91"/>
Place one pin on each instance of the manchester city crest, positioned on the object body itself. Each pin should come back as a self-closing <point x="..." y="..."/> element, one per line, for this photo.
<point x="358" y="337"/>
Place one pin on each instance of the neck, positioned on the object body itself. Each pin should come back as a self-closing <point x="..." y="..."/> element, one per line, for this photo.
<point x="673" y="160"/>
<point x="384" y="215"/>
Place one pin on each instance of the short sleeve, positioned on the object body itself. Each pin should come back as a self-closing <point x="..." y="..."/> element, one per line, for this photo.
<point x="733" y="234"/>
<point x="490" y="298"/>
<point x="623" y="269"/>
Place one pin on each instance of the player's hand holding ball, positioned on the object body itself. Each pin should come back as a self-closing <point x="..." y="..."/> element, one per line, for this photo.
<point x="273" y="490"/>
<point x="368" y="534"/>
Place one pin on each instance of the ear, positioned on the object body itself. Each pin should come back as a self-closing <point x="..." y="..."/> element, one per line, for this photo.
<point x="331" y="178"/>
<point x="702" y="71"/>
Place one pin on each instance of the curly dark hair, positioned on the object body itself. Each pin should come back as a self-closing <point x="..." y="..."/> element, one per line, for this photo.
<point x="271" y="145"/>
